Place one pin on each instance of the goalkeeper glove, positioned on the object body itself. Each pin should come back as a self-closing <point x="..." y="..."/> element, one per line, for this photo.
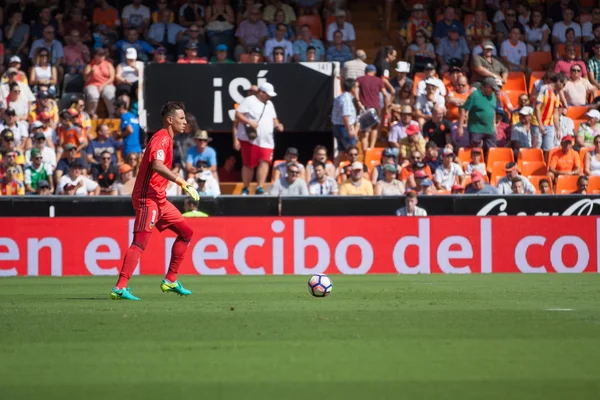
<point x="189" y="189"/>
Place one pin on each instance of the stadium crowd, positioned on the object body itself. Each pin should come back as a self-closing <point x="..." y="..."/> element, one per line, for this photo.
<point x="476" y="97"/>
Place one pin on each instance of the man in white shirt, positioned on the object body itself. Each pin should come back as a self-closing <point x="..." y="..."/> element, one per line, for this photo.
<point x="279" y="41"/>
<point x="514" y="51"/>
<point x="39" y="142"/>
<point x="410" y="209"/>
<point x="206" y="184"/>
<point x="445" y="176"/>
<point x="322" y="184"/>
<point x="340" y="24"/>
<point x="20" y="129"/>
<point x="560" y="28"/>
<point x="76" y="184"/>
<point x="136" y="16"/>
<point x="256" y="120"/>
<point x="431" y="78"/>
<point x="505" y="183"/>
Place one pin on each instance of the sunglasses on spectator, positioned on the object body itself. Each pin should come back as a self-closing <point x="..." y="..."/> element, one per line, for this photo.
<point x="37" y="158"/>
<point x="73" y="150"/>
<point x="575" y="70"/>
<point x="293" y="171"/>
<point x="106" y="158"/>
<point x="353" y="154"/>
<point x="462" y="84"/>
<point x="202" y="140"/>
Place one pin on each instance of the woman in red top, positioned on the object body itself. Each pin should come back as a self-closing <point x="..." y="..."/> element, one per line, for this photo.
<point x="99" y="78"/>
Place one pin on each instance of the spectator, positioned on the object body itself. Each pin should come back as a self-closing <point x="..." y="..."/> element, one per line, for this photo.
<point x="322" y="184"/>
<point x="500" y="15"/>
<point x="228" y="172"/>
<point x="130" y="129"/>
<point x="291" y="184"/>
<point x="556" y="9"/>
<point x="389" y="185"/>
<point x="14" y="65"/>
<point x="567" y="128"/>
<point x="12" y="158"/>
<point x="589" y="130"/>
<point x="476" y="163"/>
<point x="311" y="54"/>
<point x="278" y="55"/>
<point x="588" y="49"/>
<point x="160" y="55"/>
<point x="354" y="69"/>
<point x="387" y="158"/>
<point x="47" y="153"/>
<point x="105" y="173"/>
<point x="559" y="29"/>
<point x="577" y="89"/>
<point x="43" y="189"/>
<point x="587" y="27"/>
<point x="165" y="32"/>
<point x="398" y="130"/>
<point x="592" y="159"/>
<point x="582" y="185"/>
<point x="44" y="19"/>
<point x="280" y="18"/>
<point x="479" y="186"/>
<point x="521" y="133"/>
<point x="401" y="79"/>
<point x="457" y="98"/>
<point x="77" y="55"/>
<point x="81" y="118"/>
<point x="18" y="128"/>
<point x="76" y="184"/>
<point x="505" y="183"/>
<point x="503" y="28"/>
<point x="547" y="114"/>
<point x="481" y="106"/>
<point x="594" y="66"/>
<point x="16" y="33"/>
<point x="191" y="54"/>
<point x="432" y="159"/>
<point x="69" y="133"/>
<point x="220" y="20"/>
<point x="66" y="161"/>
<point x="478" y="48"/>
<point x="425" y="103"/>
<point x="438" y="129"/>
<point x="127" y="75"/>
<point x="43" y="73"/>
<point x="291" y="156"/>
<point x="201" y="152"/>
<point x="410" y="208"/>
<point x="320" y="154"/>
<point x="370" y="88"/>
<point x="338" y="51"/>
<point x="420" y="183"/>
<point x="357" y="185"/>
<point x="142" y="48"/>
<point x="486" y="65"/>
<point x="430" y="76"/>
<point x="18" y="103"/>
<point x="449" y="172"/>
<point x="277" y="6"/>
<point x="478" y="29"/>
<point x="52" y="45"/>
<point x="564" y="65"/>
<point x="305" y="41"/>
<point x="517" y="186"/>
<point x="448" y="23"/>
<point x="125" y="185"/>
<point x="190" y="38"/>
<point x="420" y="53"/>
<point x="345" y="28"/>
<point x="191" y="13"/>
<point x="133" y="160"/>
<point x="257" y="119"/>
<point x="104" y="143"/>
<point x="221" y="57"/>
<point x="279" y="41"/>
<point x="537" y="33"/>
<point x="206" y="184"/>
<point x="10" y="185"/>
<point x="566" y="161"/>
<point x="545" y="186"/>
<point x="514" y="51"/>
<point x="502" y="128"/>
<point x="414" y="166"/>
<point x="453" y="49"/>
<point x="106" y="17"/>
<point x="252" y="32"/>
<point x="136" y="16"/>
<point x="190" y="208"/>
<point x="416" y="22"/>
<point x="75" y="22"/>
<point x="99" y="76"/>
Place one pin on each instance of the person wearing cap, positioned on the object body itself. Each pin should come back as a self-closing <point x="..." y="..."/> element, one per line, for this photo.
<point x="457" y="189"/>
<point x="160" y="55"/>
<point x="578" y="89"/>
<point x="521" y="132"/>
<point x="99" y="76"/>
<point x="201" y="152"/>
<point x="191" y="54"/>
<point x="205" y="183"/>
<point x="11" y="159"/>
<point x="371" y="87"/>
<point x="256" y="116"/>
<point x="476" y="163"/>
<point x="251" y="32"/>
<point x="588" y="130"/>
<point x="306" y="40"/>
<point x="404" y="119"/>
<point x="291" y="184"/>
<point x="413" y="142"/>
<point x="441" y="28"/>
<point x="478" y="185"/>
<point x="221" y="55"/>
<point x="388" y="156"/>
<point x="410" y="208"/>
<point x="10" y="184"/>
<point x="193" y="36"/>
<point x="322" y="184"/>
<point x="401" y="79"/>
<point x="190" y="208"/>
<point x="547" y="112"/>
<point x="36" y="171"/>
<point x="453" y="49"/>
<point x="105" y="173"/>
<point x="132" y="40"/>
<point x="279" y="40"/>
<point x="7" y="142"/>
<point x="69" y="152"/>
<point x="14" y="64"/>
<point x="486" y="65"/>
<point x="164" y="32"/>
<point x="43" y="188"/>
<point x="343" y="118"/>
<point x="127" y="74"/>
<point x="425" y="103"/>
<point x="357" y="184"/>
<point x="389" y="185"/>
<point x="478" y="28"/>
<point x="338" y="50"/>
<point x="430" y="76"/>
<point x="504" y="184"/>
<point x="416" y="22"/>
<point x="39" y="142"/>
<point x="566" y="161"/>
<point x="126" y="180"/>
<point x="446" y="175"/>
<point x="74" y="183"/>
<point x="355" y="68"/>
<point x="346" y="28"/>
<point x="44" y="104"/>
<point x="454" y="74"/>
<point x="291" y="155"/>
<point x="478" y="49"/>
<point x="17" y="126"/>
<point x="481" y="117"/>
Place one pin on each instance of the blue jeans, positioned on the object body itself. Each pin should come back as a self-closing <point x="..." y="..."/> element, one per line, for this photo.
<point x="343" y="137"/>
<point x="545" y="141"/>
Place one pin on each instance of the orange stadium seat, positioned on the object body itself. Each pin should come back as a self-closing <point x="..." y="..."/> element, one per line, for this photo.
<point x="373" y="154"/>
<point x="464" y="155"/>
<point x="560" y="50"/>
<point x="539" y="60"/>
<point x="498" y="172"/>
<point x="582" y="152"/>
<point x="314" y="22"/>
<point x="529" y="155"/>
<point x="576" y="123"/>
<point x="495" y="154"/>
<point x="276" y="163"/>
<point x="341" y="167"/>
<point x="371" y="166"/>
<point x="535" y="181"/>
<point x="535" y="76"/>
<point x="550" y="154"/>
<point x="419" y="76"/>
<point x="513" y="96"/>
<point x="533" y="168"/>
<point x="443" y="191"/>
<point x="566" y="184"/>
<point x="516" y="81"/>
<point x="577" y="112"/>
<point x="593" y="184"/>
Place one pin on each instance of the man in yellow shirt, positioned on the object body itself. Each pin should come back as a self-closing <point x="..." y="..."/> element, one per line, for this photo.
<point x="356" y="185"/>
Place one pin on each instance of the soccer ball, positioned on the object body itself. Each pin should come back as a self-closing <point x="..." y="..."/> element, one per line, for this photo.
<point x="319" y="285"/>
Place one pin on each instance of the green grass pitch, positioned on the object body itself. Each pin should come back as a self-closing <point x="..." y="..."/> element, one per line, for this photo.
<point x="376" y="337"/>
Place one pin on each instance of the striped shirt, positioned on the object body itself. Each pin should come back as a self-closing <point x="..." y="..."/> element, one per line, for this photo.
<point x="354" y="69"/>
<point x="343" y="106"/>
<point x="476" y="32"/>
<point x="550" y="102"/>
<point x="330" y="186"/>
<point x="409" y="30"/>
<point x="594" y="67"/>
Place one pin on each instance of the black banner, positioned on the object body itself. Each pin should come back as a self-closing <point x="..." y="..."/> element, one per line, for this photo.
<point x="209" y="91"/>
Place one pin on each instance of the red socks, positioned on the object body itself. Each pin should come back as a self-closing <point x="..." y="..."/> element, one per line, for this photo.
<point x="184" y="235"/>
<point x="132" y="257"/>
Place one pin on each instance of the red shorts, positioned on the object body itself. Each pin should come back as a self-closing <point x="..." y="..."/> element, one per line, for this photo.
<point x="153" y="214"/>
<point x="252" y="155"/>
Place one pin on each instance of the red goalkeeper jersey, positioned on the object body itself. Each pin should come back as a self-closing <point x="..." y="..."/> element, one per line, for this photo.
<point x="149" y="185"/>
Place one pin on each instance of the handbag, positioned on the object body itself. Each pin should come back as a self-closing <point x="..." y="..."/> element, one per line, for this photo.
<point x="250" y="131"/>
